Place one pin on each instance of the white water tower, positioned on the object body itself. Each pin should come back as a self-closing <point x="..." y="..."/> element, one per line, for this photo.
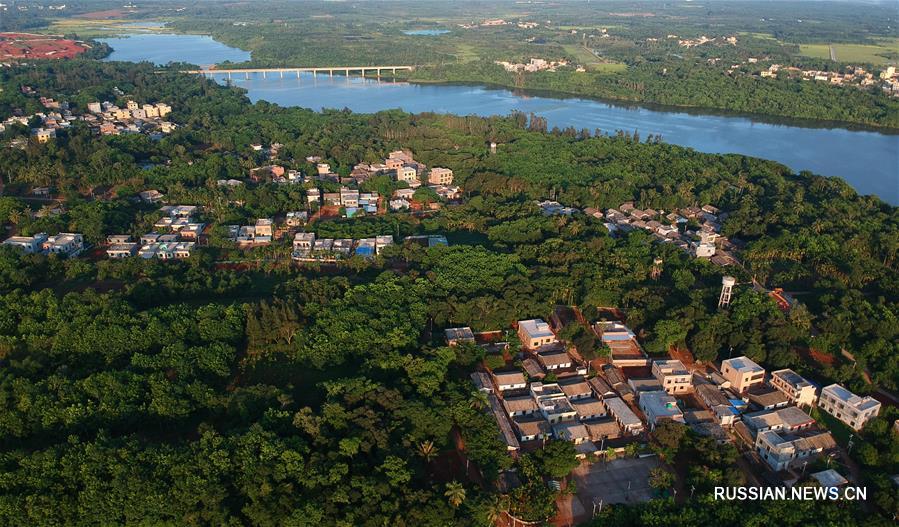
<point x="727" y="287"/>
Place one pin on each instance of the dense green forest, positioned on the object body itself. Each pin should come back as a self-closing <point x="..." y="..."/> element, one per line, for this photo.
<point x="196" y="393"/>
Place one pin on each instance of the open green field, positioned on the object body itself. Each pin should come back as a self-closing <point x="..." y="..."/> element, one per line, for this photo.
<point x="591" y="61"/>
<point x="854" y="52"/>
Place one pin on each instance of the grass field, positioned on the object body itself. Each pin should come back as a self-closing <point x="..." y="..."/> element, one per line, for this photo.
<point x="854" y="52"/>
<point x="591" y="61"/>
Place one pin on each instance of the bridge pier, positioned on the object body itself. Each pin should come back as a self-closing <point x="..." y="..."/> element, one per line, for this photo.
<point x="263" y="74"/>
<point x="331" y="73"/>
<point x="282" y="73"/>
<point x="247" y="75"/>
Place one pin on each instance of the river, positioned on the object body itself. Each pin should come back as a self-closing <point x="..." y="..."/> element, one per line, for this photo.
<point x="868" y="160"/>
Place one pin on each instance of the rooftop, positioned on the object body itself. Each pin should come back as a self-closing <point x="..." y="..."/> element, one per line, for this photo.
<point x="788" y="417"/>
<point x="792" y="378"/>
<point x="830" y="478"/>
<point x="535" y="328"/>
<point x="860" y="403"/>
<point x="660" y="404"/>
<point x="742" y="364"/>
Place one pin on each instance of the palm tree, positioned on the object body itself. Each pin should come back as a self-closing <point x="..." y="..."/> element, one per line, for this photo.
<point x="478" y="400"/>
<point x="426" y="450"/>
<point x="455" y="493"/>
<point x="495" y="509"/>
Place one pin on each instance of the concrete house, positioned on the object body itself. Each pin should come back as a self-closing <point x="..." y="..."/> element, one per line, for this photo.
<point x="122" y="250"/>
<point x="27" y="244"/>
<point x="673" y="375"/>
<point x="64" y="244"/>
<point x="659" y="406"/>
<point x="440" y="176"/>
<point x="535" y="334"/>
<point x="742" y="373"/>
<point x="800" y="391"/>
<point x="553" y="404"/>
<point x="849" y="408"/>
<point x="575" y="388"/>
<point x="788" y="419"/>
<point x="782" y="450"/>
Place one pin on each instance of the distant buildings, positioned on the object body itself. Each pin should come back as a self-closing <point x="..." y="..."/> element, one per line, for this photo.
<point x="65" y="244"/>
<point x="849" y="408"/>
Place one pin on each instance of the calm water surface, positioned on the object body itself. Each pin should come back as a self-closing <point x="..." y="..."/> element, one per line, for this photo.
<point x="162" y="48"/>
<point x="867" y="160"/>
<point x="426" y="32"/>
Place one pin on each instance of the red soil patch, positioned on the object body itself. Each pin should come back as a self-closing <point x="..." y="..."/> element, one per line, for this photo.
<point x="29" y="46"/>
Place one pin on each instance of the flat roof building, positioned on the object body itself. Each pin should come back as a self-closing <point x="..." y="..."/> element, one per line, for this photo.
<point x="673" y="375"/>
<point x="535" y="334"/>
<point x="742" y="373"/>
<point x="659" y="406"/>
<point x="800" y="391"/>
<point x="849" y="408"/>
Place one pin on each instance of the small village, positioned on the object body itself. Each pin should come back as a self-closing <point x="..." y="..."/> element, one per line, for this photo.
<point x="540" y="388"/>
<point x="103" y="118"/>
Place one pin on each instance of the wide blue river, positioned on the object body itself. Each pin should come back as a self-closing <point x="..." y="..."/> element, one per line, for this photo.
<point x="867" y="160"/>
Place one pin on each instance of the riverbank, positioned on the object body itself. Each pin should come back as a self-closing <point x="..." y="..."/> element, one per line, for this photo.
<point x="775" y="100"/>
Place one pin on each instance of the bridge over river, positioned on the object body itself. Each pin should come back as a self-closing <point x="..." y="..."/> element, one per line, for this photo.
<point x="346" y="70"/>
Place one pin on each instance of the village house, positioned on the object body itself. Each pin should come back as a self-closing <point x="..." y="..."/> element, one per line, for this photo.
<point x="520" y="405"/>
<point x="782" y="451"/>
<point x="507" y="433"/>
<point x="849" y="408"/>
<point x="122" y="250"/>
<point x="64" y="244"/>
<point x="440" y="176"/>
<point x="766" y="397"/>
<point x="531" y="427"/>
<point x="788" y="419"/>
<point x="717" y="402"/>
<point x="800" y="391"/>
<point x="624" y="416"/>
<point x="27" y="244"/>
<point x="589" y="408"/>
<point x="659" y="406"/>
<point x="673" y="375"/>
<point x="535" y="334"/>
<point x="575" y="388"/>
<point x="456" y="336"/>
<point x="552" y="403"/>
<point x="509" y="380"/>
<point x="554" y="360"/>
<point x="742" y="373"/>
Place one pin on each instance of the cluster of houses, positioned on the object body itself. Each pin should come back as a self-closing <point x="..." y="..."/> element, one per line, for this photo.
<point x="532" y="65"/>
<point x="104" y="118"/>
<point x="856" y="76"/>
<point x="308" y="248"/>
<point x="699" y="41"/>
<point x="108" y="119"/>
<point x="67" y="244"/>
<point x="353" y="202"/>
<point x="174" y="236"/>
<point x="703" y="241"/>
<point x="553" y="394"/>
